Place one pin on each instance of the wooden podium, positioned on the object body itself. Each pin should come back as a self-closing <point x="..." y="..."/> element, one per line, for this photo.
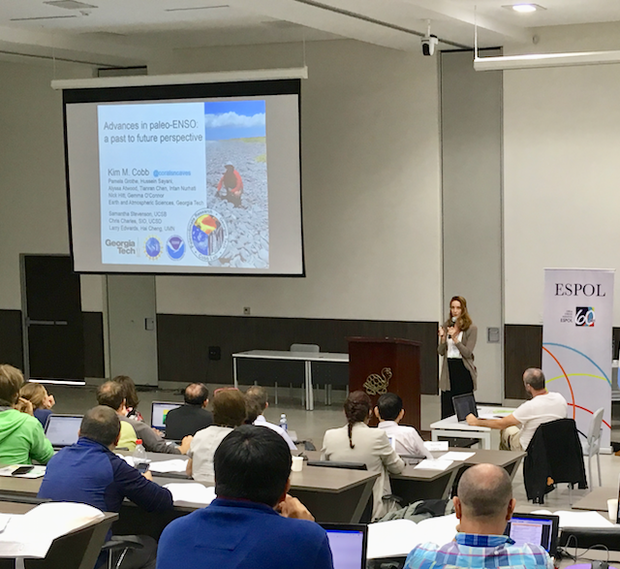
<point x="379" y="365"/>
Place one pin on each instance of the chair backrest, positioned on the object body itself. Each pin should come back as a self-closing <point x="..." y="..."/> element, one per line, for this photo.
<point x="594" y="434"/>
<point x="313" y="348"/>
<point x="337" y="464"/>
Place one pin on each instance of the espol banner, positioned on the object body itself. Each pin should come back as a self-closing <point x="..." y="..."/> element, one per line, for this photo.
<point x="577" y="338"/>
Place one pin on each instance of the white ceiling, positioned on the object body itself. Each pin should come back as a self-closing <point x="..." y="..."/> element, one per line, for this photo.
<point x="122" y="32"/>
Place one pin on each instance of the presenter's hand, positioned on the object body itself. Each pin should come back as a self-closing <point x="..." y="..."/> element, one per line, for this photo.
<point x="442" y="333"/>
<point x="472" y="420"/>
<point x="453" y="331"/>
<point x="185" y="443"/>
<point x="293" y="508"/>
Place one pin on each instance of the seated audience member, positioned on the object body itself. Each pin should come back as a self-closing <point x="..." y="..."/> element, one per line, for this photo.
<point x="110" y="398"/>
<point x="241" y="528"/>
<point x="390" y="412"/>
<point x="519" y="427"/>
<point x="357" y="442"/>
<point x="42" y="401"/>
<point x="22" y="439"/>
<point x="256" y="397"/>
<point x="131" y="396"/>
<point x="89" y="472"/>
<point x="112" y="394"/>
<point x="483" y="506"/>
<point x="192" y="416"/>
<point x="228" y="413"/>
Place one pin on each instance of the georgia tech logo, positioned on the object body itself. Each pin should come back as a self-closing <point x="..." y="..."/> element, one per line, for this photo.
<point x="584" y="316"/>
<point x="152" y="248"/>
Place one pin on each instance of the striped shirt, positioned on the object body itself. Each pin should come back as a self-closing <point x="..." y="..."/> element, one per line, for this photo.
<point x="479" y="552"/>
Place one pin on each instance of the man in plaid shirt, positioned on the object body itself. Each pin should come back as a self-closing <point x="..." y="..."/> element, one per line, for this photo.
<point x="483" y="506"/>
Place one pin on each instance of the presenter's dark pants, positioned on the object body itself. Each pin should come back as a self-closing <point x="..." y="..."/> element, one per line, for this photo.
<point x="460" y="383"/>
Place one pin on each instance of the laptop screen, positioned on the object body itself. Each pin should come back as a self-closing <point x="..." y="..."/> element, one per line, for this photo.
<point x="464" y="405"/>
<point x="159" y="410"/>
<point x="534" y="529"/>
<point x="348" y="545"/>
<point x="62" y="430"/>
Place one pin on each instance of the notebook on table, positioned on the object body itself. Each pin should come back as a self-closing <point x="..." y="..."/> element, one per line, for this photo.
<point x="159" y="410"/>
<point x="62" y="430"/>
<point x="348" y="543"/>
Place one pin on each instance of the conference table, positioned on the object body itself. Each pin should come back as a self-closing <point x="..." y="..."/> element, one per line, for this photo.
<point x="305" y="359"/>
<point x="596" y="499"/>
<point x="451" y="427"/>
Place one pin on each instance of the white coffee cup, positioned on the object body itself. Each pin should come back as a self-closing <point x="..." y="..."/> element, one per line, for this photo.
<point x="298" y="464"/>
<point x="612" y="509"/>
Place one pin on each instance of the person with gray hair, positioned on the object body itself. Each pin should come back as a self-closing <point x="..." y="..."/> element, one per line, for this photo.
<point x="483" y="506"/>
<point x="256" y="399"/>
<point x="519" y="427"/>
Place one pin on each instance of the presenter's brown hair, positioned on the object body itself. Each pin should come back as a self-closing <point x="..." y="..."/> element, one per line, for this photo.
<point x="464" y="320"/>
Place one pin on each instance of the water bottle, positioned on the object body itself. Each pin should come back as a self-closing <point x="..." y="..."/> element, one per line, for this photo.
<point x="283" y="422"/>
<point x="139" y="457"/>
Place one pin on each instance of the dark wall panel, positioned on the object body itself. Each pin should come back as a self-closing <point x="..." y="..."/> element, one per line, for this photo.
<point x="11" y="351"/>
<point x="93" y="344"/>
<point x="522" y="349"/>
<point x="183" y="342"/>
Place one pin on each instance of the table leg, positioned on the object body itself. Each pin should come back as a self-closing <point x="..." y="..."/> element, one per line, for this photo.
<point x="235" y="372"/>
<point x="309" y="389"/>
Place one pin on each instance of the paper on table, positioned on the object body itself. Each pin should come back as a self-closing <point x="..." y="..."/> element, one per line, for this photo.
<point x="454" y="455"/>
<point x="436" y="445"/>
<point x="398" y="537"/>
<point x="191" y="494"/>
<point x="32" y="534"/>
<point x="173" y="465"/>
<point x="36" y="472"/>
<point x="580" y="519"/>
<point x="438" y="464"/>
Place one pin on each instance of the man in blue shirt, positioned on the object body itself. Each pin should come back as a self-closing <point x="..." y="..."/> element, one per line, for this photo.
<point x="483" y="506"/>
<point x="241" y="528"/>
<point x="89" y="472"/>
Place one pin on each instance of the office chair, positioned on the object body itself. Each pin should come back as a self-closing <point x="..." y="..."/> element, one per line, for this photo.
<point x="122" y="544"/>
<point x="338" y="464"/>
<point x="554" y="452"/>
<point x="594" y="444"/>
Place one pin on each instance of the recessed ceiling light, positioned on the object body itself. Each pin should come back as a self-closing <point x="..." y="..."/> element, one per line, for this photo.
<point x="524" y="8"/>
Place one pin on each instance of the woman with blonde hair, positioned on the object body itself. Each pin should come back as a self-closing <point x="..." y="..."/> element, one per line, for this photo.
<point x="457" y="340"/>
<point x="42" y="401"/>
<point x="357" y="442"/>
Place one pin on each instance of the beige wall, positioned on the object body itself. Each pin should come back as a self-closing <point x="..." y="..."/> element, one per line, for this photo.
<point x="370" y="159"/>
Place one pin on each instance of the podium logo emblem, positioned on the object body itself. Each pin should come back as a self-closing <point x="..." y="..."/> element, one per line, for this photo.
<point x="376" y="384"/>
<point x="584" y="316"/>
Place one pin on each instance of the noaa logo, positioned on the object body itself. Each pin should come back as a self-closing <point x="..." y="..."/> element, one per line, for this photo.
<point x="207" y="235"/>
<point x="175" y="247"/>
<point x="584" y="316"/>
<point x="152" y="248"/>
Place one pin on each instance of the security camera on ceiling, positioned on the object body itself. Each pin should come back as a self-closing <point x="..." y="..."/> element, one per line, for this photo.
<point x="428" y="44"/>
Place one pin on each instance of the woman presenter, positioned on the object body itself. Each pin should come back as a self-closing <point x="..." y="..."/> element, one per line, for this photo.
<point x="457" y="339"/>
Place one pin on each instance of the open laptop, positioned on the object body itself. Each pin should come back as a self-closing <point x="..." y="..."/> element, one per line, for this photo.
<point x="62" y="430"/>
<point x="348" y="544"/>
<point x="464" y="405"/>
<point x="159" y="410"/>
<point x="536" y="529"/>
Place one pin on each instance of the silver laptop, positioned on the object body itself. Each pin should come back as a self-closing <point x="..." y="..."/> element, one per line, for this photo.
<point x="159" y="410"/>
<point x="62" y="430"/>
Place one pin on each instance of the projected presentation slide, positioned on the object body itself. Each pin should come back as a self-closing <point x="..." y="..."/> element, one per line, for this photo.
<point x="186" y="186"/>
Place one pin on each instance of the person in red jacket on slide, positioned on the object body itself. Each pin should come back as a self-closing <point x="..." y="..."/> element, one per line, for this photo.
<point x="232" y="184"/>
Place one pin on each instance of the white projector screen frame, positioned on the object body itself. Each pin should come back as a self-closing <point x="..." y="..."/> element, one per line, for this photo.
<point x="141" y="188"/>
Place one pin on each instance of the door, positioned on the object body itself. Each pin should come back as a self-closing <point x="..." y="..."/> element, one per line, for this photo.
<point x="132" y="334"/>
<point x="52" y="320"/>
